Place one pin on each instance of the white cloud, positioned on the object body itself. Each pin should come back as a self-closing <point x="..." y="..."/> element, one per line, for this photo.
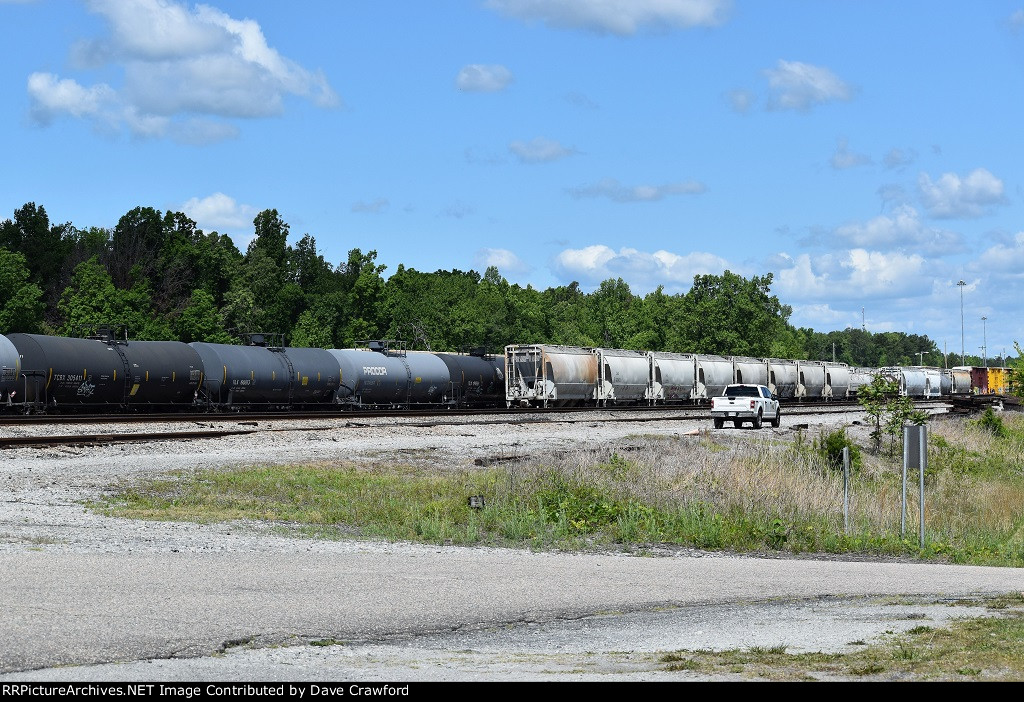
<point x="505" y="261"/>
<point x="800" y="86"/>
<point x="372" y="207"/>
<point x="892" y="193"/>
<point x="218" y="211"/>
<point x="741" y="100"/>
<point x="954" y="197"/>
<point x="902" y="229"/>
<point x="180" y="68"/>
<point x="1005" y="258"/>
<point x="1017" y="20"/>
<point x="622" y="17"/>
<point x="616" y="191"/>
<point x="821" y="315"/>
<point x="481" y="78"/>
<point x="540" y="150"/>
<point x="52" y="95"/>
<point x="642" y="270"/>
<point x="843" y="158"/>
<point x="856" y="275"/>
<point x="899" y="158"/>
<point x="151" y="30"/>
<point x="194" y="131"/>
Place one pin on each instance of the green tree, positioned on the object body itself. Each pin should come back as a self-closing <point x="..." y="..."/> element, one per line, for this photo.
<point x="307" y="268"/>
<point x="21" y="303"/>
<point x="91" y="299"/>
<point x="364" y="291"/>
<point x="43" y="246"/>
<point x="136" y="248"/>
<point x="317" y="326"/>
<point x="731" y="315"/>
<point x="1017" y="372"/>
<point x="569" y="317"/>
<point x="271" y="237"/>
<point x="200" y="321"/>
<point x="252" y="304"/>
<point x="888" y="410"/>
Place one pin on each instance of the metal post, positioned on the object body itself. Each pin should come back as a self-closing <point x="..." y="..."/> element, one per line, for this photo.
<point x="846" y="488"/>
<point x="915" y="451"/>
<point x="923" y="437"/>
<point x="906" y="460"/>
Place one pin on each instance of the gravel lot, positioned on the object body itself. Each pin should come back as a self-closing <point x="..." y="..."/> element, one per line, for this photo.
<point x="153" y="600"/>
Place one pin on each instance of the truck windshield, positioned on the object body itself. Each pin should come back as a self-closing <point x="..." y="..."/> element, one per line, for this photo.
<point x="741" y="391"/>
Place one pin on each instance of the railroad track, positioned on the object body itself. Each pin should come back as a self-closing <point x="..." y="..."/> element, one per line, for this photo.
<point x="192" y="417"/>
<point x="250" y="424"/>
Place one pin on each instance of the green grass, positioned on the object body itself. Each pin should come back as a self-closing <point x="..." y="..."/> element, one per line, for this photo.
<point x="986" y="648"/>
<point x="712" y="494"/>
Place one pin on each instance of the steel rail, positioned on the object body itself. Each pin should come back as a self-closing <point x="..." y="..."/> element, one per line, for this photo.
<point x="335" y="413"/>
<point x="253" y="427"/>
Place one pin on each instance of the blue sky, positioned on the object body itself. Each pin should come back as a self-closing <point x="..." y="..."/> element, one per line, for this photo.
<point x="868" y="154"/>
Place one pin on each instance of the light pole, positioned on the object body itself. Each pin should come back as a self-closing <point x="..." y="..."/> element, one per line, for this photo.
<point x="962" y="285"/>
<point x="920" y="357"/>
<point x="984" y="340"/>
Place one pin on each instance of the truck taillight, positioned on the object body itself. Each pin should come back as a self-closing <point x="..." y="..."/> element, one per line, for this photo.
<point x="752" y="403"/>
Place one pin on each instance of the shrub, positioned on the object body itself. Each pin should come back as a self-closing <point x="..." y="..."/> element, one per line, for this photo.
<point x="991" y="422"/>
<point x="831" y="446"/>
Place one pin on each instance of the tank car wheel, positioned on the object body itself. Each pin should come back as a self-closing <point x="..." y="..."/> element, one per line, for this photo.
<point x="758" y="421"/>
<point x="719" y="423"/>
<point x="777" y="422"/>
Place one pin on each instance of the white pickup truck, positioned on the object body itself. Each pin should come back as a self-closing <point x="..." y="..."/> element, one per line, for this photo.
<point x="745" y="403"/>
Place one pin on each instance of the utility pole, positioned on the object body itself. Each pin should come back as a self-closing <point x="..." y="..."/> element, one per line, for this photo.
<point x="863" y="323"/>
<point x="984" y="339"/>
<point x="920" y="358"/>
<point x="962" y="285"/>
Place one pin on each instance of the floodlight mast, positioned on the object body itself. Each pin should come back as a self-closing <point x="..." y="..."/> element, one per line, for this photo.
<point x="984" y="339"/>
<point x="962" y="285"/>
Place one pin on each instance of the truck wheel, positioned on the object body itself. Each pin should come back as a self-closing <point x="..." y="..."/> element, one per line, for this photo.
<point x="719" y="423"/>
<point x="778" y="418"/>
<point x="757" y="420"/>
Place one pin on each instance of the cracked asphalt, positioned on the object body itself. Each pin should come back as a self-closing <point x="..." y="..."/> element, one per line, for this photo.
<point x="70" y="608"/>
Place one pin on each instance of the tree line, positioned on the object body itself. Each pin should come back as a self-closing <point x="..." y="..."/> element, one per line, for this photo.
<point x="162" y="278"/>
